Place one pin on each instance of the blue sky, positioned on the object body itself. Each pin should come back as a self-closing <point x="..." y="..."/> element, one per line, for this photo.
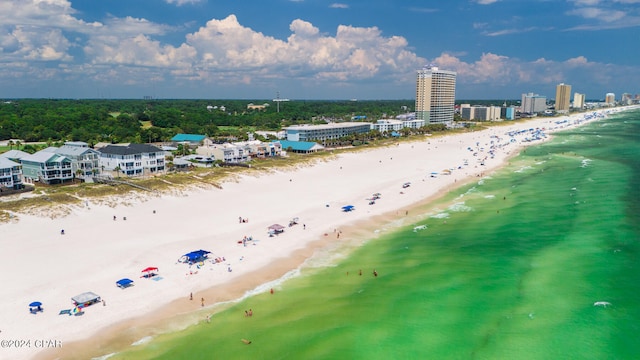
<point x="315" y="49"/>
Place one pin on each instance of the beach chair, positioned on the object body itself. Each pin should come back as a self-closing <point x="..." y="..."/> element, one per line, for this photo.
<point x="65" y="312"/>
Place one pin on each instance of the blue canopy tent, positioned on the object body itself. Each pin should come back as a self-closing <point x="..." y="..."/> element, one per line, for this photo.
<point x="124" y="283"/>
<point x="348" y="208"/>
<point x="35" y="307"/>
<point x="195" y="256"/>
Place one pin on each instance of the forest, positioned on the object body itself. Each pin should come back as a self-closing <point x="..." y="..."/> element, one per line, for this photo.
<point x="142" y="121"/>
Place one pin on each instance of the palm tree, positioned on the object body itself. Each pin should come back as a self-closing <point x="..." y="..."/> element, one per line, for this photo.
<point x="117" y="170"/>
<point x="11" y="143"/>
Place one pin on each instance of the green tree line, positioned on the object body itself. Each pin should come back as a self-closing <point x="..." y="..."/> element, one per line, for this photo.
<point x="113" y="120"/>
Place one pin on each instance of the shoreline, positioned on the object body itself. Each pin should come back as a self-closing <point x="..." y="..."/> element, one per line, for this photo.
<point x="182" y="313"/>
<point x="281" y="254"/>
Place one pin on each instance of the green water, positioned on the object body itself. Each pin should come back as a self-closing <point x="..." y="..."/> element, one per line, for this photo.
<point x="507" y="268"/>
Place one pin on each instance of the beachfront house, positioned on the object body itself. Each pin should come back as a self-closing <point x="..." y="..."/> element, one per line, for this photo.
<point x="259" y="149"/>
<point x="46" y="167"/>
<point x="132" y="159"/>
<point x="242" y="151"/>
<point x="10" y="174"/>
<point x="14" y="155"/>
<point x="85" y="162"/>
<point x="229" y="153"/>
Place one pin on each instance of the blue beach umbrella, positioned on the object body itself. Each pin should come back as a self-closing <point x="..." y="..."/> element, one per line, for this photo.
<point x="35" y="304"/>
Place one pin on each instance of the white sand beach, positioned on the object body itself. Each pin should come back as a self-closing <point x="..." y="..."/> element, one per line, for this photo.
<point x="38" y="263"/>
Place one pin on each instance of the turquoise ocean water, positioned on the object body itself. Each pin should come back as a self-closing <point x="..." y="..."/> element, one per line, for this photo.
<point x="507" y="268"/>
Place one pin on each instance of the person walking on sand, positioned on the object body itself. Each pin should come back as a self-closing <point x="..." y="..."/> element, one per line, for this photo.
<point x="202" y="302"/>
<point x="190" y="296"/>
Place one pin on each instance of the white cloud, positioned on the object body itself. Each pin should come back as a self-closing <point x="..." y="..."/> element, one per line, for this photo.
<point x="493" y="71"/>
<point x="598" y="14"/>
<point x="486" y="2"/>
<point x="585" y="2"/>
<point x="224" y="52"/>
<point x="517" y="30"/>
<point x="183" y="2"/>
<point x="339" y="6"/>
<point x="354" y="52"/>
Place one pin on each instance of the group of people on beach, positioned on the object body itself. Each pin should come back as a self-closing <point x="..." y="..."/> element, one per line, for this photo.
<point x="201" y="300"/>
<point x="375" y="273"/>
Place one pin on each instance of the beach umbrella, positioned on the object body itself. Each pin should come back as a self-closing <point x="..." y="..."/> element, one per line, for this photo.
<point x="35" y="304"/>
<point x="276" y="227"/>
<point x="123" y="283"/>
<point x="348" y="208"/>
<point x="149" y="271"/>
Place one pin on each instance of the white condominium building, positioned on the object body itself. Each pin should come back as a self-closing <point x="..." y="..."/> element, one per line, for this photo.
<point x="533" y="103"/>
<point x="578" y="101"/>
<point x="435" y="95"/>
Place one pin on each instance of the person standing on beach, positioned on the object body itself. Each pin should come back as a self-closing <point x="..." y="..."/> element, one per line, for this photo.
<point x="202" y="302"/>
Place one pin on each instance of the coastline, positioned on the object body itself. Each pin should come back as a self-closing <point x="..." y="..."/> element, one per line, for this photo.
<point x="267" y="261"/>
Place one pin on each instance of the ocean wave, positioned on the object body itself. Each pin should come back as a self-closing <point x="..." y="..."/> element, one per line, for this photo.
<point x="272" y="284"/>
<point x="442" y="215"/>
<point x="104" y="357"/>
<point x="489" y="196"/>
<point x="419" y="227"/>
<point x="471" y="190"/>
<point x="142" y="341"/>
<point x="586" y="163"/>
<point x="460" y="207"/>
<point x="522" y="169"/>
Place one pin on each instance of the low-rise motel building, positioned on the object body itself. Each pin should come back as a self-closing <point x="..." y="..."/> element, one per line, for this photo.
<point x="322" y="132"/>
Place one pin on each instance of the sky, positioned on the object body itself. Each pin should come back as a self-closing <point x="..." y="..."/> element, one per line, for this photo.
<point x="315" y="49"/>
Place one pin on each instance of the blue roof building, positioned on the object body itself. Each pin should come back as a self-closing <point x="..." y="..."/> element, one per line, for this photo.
<point x="300" y="146"/>
<point x="190" y="138"/>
